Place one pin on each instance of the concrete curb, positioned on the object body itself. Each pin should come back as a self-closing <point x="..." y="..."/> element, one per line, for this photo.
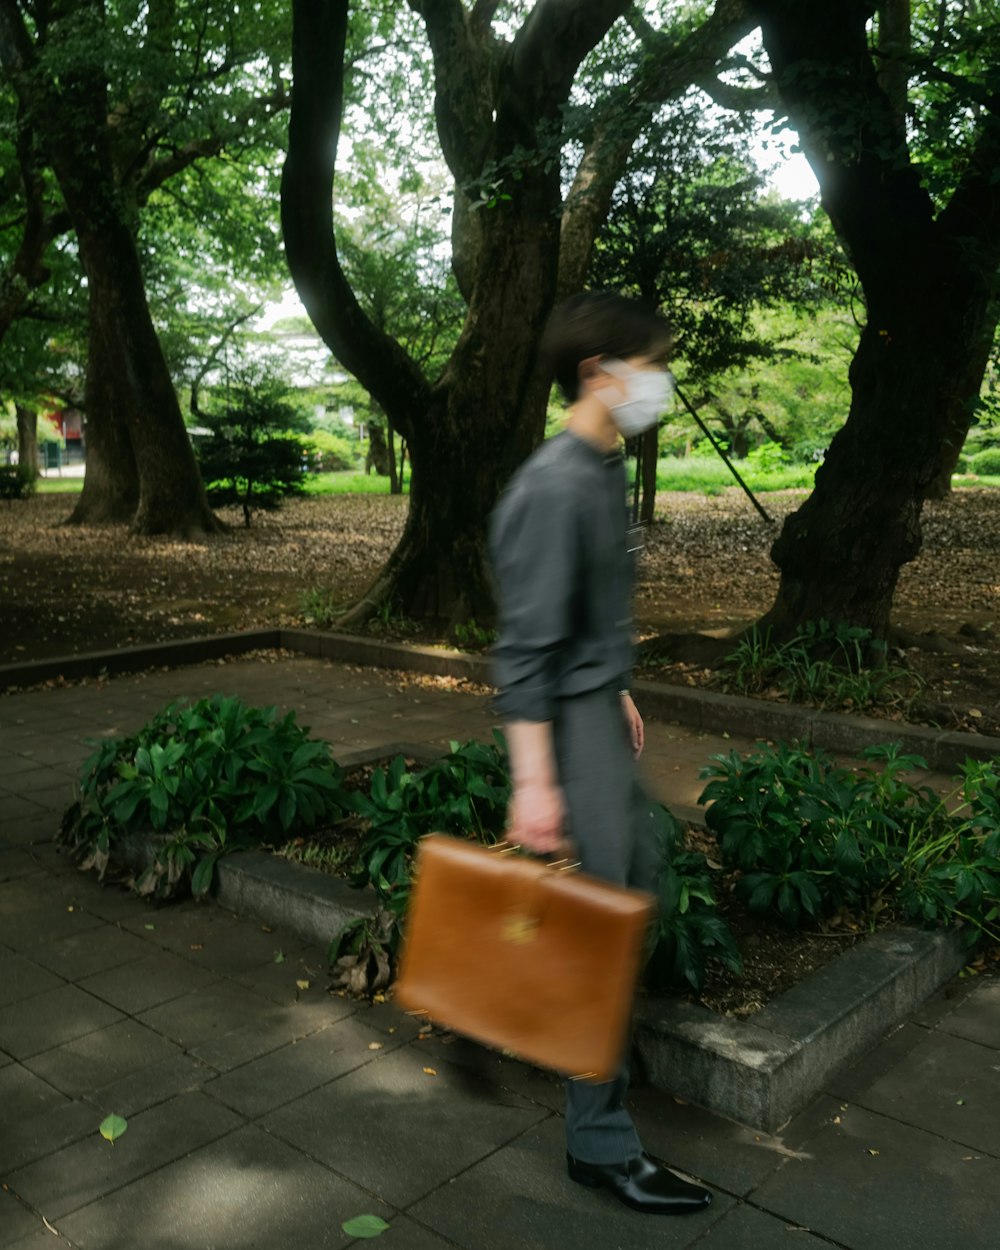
<point x="759" y="1072"/>
<point x="943" y="750"/>
<point x="762" y="1071"/>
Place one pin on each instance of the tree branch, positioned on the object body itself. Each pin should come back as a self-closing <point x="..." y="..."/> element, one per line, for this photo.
<point x="381" y="365"/>
<point x="548" y="49"/>
<point x="463" y="85"/>
<point x="663" y="75"/>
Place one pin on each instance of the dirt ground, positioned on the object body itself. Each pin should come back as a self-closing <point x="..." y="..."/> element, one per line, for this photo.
<point x="65" y="590"/>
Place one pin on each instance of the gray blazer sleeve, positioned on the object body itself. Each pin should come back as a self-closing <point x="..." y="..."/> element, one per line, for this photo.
<point x="535" y="544"/>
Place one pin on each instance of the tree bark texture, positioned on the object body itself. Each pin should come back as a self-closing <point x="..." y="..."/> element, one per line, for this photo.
<point x="930" y="286"/>
<point x="27" y="439"/>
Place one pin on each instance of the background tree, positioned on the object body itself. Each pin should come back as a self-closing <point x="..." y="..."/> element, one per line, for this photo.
<point x="121" y="100"/>
<point x="503" y="86"/>
<point x="920" y="219"/>
<point x="251" y="458"/>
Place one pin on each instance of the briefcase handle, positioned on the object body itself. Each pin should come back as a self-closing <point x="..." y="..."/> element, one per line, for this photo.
<point x="563" y="864"/>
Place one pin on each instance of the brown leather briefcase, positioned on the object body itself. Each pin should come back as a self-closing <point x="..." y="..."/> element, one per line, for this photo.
<point x="523" y="956"/>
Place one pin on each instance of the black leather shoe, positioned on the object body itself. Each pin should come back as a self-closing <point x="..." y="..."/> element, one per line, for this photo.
<point x="642" y="1185"/>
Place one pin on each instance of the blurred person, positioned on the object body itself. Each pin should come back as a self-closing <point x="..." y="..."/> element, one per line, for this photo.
<point x="560" y="547"/>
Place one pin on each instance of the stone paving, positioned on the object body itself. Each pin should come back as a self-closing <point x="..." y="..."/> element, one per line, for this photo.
<point x="263" y="1115"/>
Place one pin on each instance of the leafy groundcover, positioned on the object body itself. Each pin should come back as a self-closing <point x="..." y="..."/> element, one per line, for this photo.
<point x="797" y="850"/>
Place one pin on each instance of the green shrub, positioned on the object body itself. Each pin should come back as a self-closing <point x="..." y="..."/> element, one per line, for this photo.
<point x="828" y="666"/>
<point x="689" y="928"/>
<point x="466" y="793"/>
<point x="208" y="778"/>
<point x="16" y="482"/>
<point x="330" y="453"/>
<point x="986" y="463"/>
<point x="809" y="838"/>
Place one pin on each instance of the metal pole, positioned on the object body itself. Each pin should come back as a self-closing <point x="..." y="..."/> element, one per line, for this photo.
<point x="728" y="463"/>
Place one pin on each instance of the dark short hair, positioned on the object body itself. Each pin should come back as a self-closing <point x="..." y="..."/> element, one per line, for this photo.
<point x="599" y="323"/>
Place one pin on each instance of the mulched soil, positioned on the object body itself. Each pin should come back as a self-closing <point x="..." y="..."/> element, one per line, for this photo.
<point x="65" y="590"/>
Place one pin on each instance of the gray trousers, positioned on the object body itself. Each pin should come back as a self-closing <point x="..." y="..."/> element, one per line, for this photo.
<point x="611" y="826"/>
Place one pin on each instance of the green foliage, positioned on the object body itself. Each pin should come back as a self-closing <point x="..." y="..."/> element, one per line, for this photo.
<point x="16" y="482"/>
<point x="330" y="453"/>
<point x="986" y="462"/>
<point x="708" y="475"/>
<point x="690" y="929"/>
<point x="810" y="838"/>
<point x="828" y="666"/>
<point x="321" y="606"/>
<point x="465" y="793"/>
<point x="209" y="777"/>
<point x="252" y="457"/>
<point x="473" y="636"/>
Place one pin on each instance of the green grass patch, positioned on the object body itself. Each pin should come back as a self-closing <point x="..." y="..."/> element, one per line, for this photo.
<point x="709" y="476"/>
<point x="59" y="486"/>
<point x="347" y="483"/>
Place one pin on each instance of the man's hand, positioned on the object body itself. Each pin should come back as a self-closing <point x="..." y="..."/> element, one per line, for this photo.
<point x="536" y="818"/>
<point x="633" y="722"/>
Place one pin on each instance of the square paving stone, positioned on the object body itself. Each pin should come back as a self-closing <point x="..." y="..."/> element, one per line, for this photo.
<point x="16" y="862"/>
<point x="51" y="1019"/>
<point x="24" y="1140"/>
<point x="977" y="1018"/>
<point x="244" y="1192"/>
<point x="20" y="978"/>
<point x="90" y="1168"/>
<point x="276" y="1027"/>
<point x="746" y="1228"/>
<point x="144" y="1088"/>
<point x="292" y="1071"/>
<point x="82" y="955"/>
<point x="521" y="1196"/>
<point x="718" y="1151"/>
<point x="16" y="1221"/>
<point x="216" y="940"/>
<point x="148" y="982"/>
<point x="207" y="1014"/>
<point x="31" y="927"/>
<point x="24" y="1095"/>
<point x="917" y="1191"/>
<point x="278" y="980"/>
<point x="88" y="1063"/>
<point x="945" y="1085"/>
<point x="398" y="1130"/>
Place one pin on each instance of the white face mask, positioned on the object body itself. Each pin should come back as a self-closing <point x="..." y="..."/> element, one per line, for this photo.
<point x="646" y="394"/>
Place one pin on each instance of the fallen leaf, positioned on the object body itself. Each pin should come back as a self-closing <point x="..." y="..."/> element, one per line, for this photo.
<point x="374" y="1045"/>
<point x="431" y="1071"/>
<point x="302" y="985"/>
<point x="197" y="946"/>
<point x="266" y="928"/>
<point x="71" y="908"/>
<point x="113" y="1127"/>
<point x="149" y="926"/>
<point x="364" y="1226"/>
<point x="279" y="957"/>
<point x="872" y="1152"/>
<point x="960" y="1102"/>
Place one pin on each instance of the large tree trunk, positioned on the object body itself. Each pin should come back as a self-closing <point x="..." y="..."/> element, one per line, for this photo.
<point x="930" y="286"/>
<point x="131" y="398"/>
<point x="110" y="492"/>
<point x="27" y="440"/>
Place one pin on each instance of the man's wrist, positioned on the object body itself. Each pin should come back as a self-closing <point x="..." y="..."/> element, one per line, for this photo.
<point x="624" y="691"/>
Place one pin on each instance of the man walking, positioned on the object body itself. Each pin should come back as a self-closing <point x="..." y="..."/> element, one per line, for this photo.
<point x="559" y="546"/>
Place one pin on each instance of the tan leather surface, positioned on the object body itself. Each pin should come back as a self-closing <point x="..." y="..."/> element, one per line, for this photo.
<point x="524" y="957"/>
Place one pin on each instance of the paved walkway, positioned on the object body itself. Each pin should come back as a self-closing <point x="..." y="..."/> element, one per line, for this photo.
<point x="261" y="1115"/>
